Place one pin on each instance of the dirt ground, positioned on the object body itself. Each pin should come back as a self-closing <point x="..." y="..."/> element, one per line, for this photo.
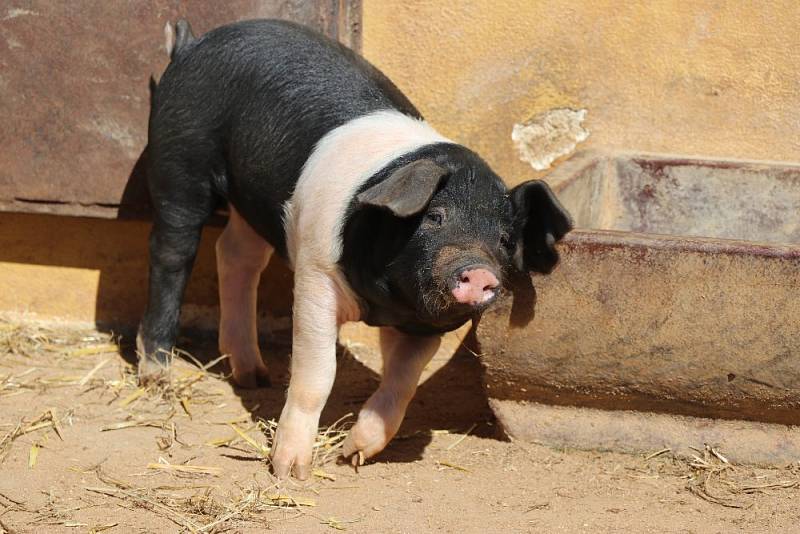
<point x="83" y="449"/>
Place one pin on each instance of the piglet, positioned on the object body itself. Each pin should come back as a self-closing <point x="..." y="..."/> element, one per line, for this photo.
<point x="322" y="160"/>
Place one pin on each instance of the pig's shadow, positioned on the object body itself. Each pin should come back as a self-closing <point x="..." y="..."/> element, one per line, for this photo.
<point x="452" y="398"/>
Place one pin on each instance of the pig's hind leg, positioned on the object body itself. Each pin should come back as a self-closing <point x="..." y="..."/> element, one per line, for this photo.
<point x="404" y="358"/>
<point x="242" y="255"/>
<point x="181" y="207"/>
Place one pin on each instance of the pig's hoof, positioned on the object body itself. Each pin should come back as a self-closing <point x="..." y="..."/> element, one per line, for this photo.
<point x="285" y="462"/>
<point x="252" y="378"/>
<point x="366" y="439"/>
<point x="356" y="457"/>
<point x="293" y="449"/>
<point x="153" y="372"/>
<point x="357" y="460"/>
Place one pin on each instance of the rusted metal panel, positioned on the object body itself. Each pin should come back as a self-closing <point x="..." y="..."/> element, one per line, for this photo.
<point x="74" y="80"/>
<point x="679" y="292"/>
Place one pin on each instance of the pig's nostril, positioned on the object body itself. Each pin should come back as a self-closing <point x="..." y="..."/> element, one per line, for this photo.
<point x="475" y="286"/>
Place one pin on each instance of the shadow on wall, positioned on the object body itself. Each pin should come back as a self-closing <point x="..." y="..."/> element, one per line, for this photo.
<point x="91" y="269"/>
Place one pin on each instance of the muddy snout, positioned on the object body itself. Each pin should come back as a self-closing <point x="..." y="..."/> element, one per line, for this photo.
<point x="475" y="285"/>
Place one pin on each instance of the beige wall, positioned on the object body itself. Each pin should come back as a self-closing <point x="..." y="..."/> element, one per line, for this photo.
<point x="691" y="77"/>
<point x="717" y="78"/>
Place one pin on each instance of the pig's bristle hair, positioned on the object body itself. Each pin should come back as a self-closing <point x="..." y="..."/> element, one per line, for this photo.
<point x="435" y="300"/>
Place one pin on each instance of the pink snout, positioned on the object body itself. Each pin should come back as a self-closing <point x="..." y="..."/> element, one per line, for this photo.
<point x="475" y="286"/>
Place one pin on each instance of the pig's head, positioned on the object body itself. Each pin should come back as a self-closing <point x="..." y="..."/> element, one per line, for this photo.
<point x="429" y="245"/>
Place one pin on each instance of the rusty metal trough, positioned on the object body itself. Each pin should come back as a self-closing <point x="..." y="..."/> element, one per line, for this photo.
<point x="678" y="293"/>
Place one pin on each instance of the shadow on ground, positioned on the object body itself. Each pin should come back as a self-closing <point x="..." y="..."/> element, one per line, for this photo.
<point x="452" y="398"/>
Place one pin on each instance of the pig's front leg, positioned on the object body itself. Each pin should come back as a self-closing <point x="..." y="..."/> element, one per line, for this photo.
<point x="404" y="357"/>
<point x="313" y="370"/>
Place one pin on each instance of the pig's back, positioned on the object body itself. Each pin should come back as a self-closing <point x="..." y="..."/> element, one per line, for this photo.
<point x="249" y="101"/>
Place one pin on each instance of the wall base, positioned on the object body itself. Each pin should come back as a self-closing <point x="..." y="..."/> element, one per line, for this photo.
<point x="644" y="433"/>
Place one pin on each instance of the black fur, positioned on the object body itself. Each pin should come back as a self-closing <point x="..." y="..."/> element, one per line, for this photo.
<point x="241" y="108"/>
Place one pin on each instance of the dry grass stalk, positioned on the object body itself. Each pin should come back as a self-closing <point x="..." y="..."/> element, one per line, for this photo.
<point x="46" y="420"/>
<point x="319" y="473"/>
<point x="33" y="455"/>
<point x="145" y="502"/>
<point x="713" y="480"/>
<point x="179" y="391"/>
<point x="187" y="469"/>
<point x="53" y="512"/>
<point x="30" y="339"/>
<point x="329" y="441"/>
<point x="140" y="497"/>
<point x="262" y="450"/>
<point x="132" y="424"/>
<point x="462" y="438"/>
<point x="759" y="488"/>
<point x="327" y="444"/>
<point x="100" y="528"/>
<point x="445" y="464"/>
<point x="707" y="469"/>
<point x="10" y="384"/>
<point x="657" y="453"/>
<point x="201" y="511"/>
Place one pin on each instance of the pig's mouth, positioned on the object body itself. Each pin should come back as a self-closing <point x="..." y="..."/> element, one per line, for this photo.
<point x="441" y="308"/>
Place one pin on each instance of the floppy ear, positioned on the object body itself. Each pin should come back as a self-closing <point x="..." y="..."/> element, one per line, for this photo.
<point x="539" y="222"/>
<point x="407" y="190"/>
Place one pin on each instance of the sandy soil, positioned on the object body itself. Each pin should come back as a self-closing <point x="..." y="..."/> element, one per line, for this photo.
<point x="450" y="470"/>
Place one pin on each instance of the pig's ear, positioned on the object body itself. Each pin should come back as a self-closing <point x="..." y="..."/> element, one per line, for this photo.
<point x="407" y="190"/>
<point x="539" y="222"/>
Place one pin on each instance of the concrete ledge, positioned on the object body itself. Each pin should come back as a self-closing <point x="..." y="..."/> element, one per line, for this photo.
<point x="642" y="432"/>
<point x="626" y="324"/>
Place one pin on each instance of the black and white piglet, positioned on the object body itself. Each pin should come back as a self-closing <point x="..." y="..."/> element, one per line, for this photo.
<point x="322" y="159"/>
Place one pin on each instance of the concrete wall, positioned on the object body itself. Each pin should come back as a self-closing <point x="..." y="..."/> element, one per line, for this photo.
<point x="716" y="78"/>
<point x="702" y="77"/>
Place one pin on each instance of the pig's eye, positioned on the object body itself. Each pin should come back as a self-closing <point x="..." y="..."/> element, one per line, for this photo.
<point x="435" y="217"/>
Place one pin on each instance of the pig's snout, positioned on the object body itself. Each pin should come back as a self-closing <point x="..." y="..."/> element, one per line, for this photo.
<point x="475" y="285"/>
